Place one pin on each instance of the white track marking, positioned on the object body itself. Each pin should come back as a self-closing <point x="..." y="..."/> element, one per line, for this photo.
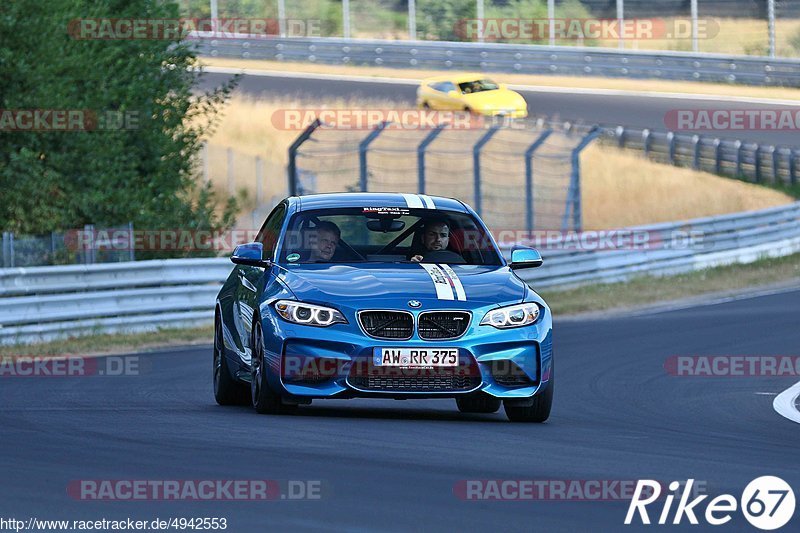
<point x="412" y="200"/>
<point x="443" y="289"/>
<point x="460" y="294"/>
<point x="528" y="88"/>
<point x="784" y="403"/>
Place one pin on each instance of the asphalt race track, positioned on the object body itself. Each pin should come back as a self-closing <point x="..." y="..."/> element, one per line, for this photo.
<point x="634" y="111"/>
<point x="392" y="465"/>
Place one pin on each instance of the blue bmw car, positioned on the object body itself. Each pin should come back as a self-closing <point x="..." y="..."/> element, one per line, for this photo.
<point x="381" y="295"/>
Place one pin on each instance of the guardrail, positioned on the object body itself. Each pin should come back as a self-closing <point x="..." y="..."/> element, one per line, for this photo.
<point x="752" y="161"/>
<point x="511" y="58"/>
<point x="42" y="303"/>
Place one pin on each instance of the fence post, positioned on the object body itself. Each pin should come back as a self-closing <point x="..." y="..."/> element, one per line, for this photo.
<point x="574" y="195"/>
<point x="757" y="159"/>
<point x="291" y="168"/>
<point x="529" y="212"/>
<point x="671" y="142"/>
<point x="620" y="131"/>
<point x="476" y="166"/>
<point x="421" y="156"/>
<point x="775" y="164"/>
<point x="8" y="249"/>
<point x="363" y="147"/>
<point x="739" y="146"/>
<point x="131" y="241"/>
<point x="259" y="181"/>
<point x="88" y="257"/>
<point x="696" y="158"/>
<point x="717" y="156"/>
<point x="792" y="167"/>
<point x="646" y="141"/>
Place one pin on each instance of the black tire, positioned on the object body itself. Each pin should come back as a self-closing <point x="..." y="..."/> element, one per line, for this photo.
<point x="426" y="106"/>
<point x="227" y="389"/>
<point x="539" y="411"/>
<point x="263" y="398"/>
<point x="478" y="402"/>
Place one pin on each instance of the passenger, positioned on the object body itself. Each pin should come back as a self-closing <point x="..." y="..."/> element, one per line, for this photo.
<point x="322" y="241"/>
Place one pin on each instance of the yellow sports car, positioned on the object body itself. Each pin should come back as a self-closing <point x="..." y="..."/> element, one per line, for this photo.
<point x="473" y="93"/>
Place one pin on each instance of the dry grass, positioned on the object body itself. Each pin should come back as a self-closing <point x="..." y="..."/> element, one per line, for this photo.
<point x="566" y="82"/>
<point x="620" y="188"/>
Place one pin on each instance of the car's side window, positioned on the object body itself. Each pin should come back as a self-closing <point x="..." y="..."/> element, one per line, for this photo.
<point x="443" y="86"/>
<point x="270" y="231"/>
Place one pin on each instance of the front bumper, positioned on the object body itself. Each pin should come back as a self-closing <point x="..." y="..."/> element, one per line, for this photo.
<point x="336" y="362"/>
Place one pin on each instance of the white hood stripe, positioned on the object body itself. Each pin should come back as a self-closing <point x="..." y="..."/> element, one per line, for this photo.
<point x="440" y="282"/>
<point x="413" y="201"/>
<point x="428" y="201"/>
<point x="460" y="294"/>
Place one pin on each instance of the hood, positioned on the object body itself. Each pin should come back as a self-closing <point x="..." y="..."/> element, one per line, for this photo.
<point x="497" y="99"/>
<point x="395" y="284"/>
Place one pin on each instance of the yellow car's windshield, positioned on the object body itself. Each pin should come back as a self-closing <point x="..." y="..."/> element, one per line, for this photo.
<point x="477" y="86"/>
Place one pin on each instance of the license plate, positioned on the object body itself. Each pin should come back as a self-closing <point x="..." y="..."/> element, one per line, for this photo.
<point x="415" y="357"/>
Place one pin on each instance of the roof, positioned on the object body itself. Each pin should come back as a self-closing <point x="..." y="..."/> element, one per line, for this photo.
<point x="378" y="199"/>
<point x="456" y="78"/>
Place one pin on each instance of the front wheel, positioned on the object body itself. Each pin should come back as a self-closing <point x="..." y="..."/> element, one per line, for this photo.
<point x="227" y="390"/>
<point x="539" y="411"/>
<point x="264" y="400"/>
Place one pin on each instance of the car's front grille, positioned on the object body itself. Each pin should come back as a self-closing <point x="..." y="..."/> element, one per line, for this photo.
<point x="369" y="377"/>
<point x="436" y="325"/>
<point x="387" y="324"/>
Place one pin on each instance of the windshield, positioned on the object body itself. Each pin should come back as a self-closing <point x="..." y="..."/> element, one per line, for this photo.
<point x="477" y="86"/>
<point x="387" y="235"/>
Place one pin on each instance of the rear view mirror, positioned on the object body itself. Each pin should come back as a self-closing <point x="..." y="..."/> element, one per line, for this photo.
<point x="385" y="225"/>
<point x="525" y="258"/>
<point x="250" y="254"/>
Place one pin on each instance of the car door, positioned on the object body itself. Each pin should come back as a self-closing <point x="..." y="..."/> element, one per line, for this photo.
<point x="254" y="280"/>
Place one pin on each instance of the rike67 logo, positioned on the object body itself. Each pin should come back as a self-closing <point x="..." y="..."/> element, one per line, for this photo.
<point x="767" y="502"/>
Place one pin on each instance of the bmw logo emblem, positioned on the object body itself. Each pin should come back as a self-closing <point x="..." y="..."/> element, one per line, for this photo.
<point x="414" y="303"/>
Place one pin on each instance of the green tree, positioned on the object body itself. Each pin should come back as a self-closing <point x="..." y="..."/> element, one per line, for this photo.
<point x="145" y="174"/>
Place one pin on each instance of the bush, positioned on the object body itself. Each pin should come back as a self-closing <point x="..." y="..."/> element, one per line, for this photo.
<point x="60" y="180"/>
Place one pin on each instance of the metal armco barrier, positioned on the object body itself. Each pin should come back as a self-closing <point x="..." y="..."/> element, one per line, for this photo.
<point x="511" y="58"/>
<point x="49" y="302"/>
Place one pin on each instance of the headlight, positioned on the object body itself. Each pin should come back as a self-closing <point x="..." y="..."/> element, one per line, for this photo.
<point x="512" y="316"/>
<point x="308" y="314"/>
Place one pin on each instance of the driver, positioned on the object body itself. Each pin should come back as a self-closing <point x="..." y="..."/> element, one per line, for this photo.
<point x="435" y="237"/>
<point x="322" y="241"/>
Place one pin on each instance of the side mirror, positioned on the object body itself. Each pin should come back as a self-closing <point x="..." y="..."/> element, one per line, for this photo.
<point x="250" y="254"/>
<point x="525" y="258"/>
